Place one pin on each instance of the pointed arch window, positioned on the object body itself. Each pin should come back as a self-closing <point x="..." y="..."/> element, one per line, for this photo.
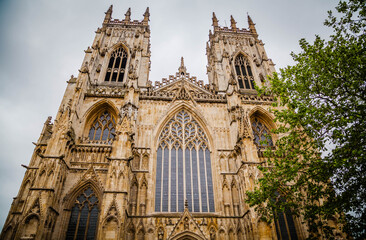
<point x="183" y="169"/>
<point x="84" y="216"/>
<point x="103" y="128"/>
<point x="116" y="66"/>
<point x="285" y="224"/>
<point x="262" y="136"/>
<point x="244" y="72"/>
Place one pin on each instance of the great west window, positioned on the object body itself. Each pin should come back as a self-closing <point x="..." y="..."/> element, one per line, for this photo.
<point x="183" y="168"/>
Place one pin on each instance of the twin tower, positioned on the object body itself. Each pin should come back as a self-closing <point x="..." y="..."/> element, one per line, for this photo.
<point x="126" y="158"/>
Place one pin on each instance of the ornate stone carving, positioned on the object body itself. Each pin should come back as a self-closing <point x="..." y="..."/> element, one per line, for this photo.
<point x="98" y="68"/>
<point x="255" y="99"/>
<point x="130" y="111"/>
<point x="106" y="91"/>
<point x="240" y="115"/>
<point x="84" y="68"/>
<point x="88" y="50"/>
<point x="183" y="87"/>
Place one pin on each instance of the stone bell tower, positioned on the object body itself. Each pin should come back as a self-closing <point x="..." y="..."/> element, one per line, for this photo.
<point x="91" y="166"/>
<point x="225" y="45"/>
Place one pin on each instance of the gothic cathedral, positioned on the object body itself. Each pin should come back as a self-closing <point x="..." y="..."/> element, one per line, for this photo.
<point x="126" y="158"/>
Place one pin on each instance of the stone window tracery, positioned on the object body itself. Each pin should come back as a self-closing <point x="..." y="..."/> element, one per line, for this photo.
<point x="116" y="66"/>
<point x="244" y="72"/>
<point x="84" y="216"/>
<point x="183" y="170"/>
<point x="262" y="136"/>
<point x="103" y="128"/>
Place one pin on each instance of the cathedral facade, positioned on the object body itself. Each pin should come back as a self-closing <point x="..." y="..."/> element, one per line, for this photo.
<point x="129" y="159"/>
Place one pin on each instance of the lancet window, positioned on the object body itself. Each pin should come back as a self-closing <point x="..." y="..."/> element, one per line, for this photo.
<point x="116" y="66"/>
<point x="285" y="224"/>
<point x="244" y="72"/>
<point x="183" y="169"/>
<point x="262" y="136"/>
<point x="84" y="216"/>
<point x="103" y="128"/>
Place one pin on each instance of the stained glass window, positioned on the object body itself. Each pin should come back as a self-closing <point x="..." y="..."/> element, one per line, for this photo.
<point x="183" y="169"/>
<point x="103" y="128"/>
<point x="84" y="217"/>
<point x="117" y="66"/>
<point x="244" y="72"/>
<point x="262" y="136"/>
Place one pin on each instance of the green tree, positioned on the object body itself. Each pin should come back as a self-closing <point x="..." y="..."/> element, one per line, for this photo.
<point x="318" y="169"/>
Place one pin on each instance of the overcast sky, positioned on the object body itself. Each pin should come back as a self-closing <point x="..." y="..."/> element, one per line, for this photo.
<point x="42" y="43"/>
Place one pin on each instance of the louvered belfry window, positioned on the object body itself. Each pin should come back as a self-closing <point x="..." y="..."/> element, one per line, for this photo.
<point x="244" y="72"/>
<point x="183" y="169"/>
<point x="103" y="128"/>
<point x="262" y="137"/>
<point x="117" y="66"/>
<point x="84" y="217"/>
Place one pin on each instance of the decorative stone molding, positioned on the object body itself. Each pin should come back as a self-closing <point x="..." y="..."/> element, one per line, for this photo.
<point x="257" y="100"/>
<point x="106" y="91"/>
<point x="130" y="111"/>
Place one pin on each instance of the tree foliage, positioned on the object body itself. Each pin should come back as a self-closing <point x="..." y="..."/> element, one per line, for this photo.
<point x="318" y="168"/>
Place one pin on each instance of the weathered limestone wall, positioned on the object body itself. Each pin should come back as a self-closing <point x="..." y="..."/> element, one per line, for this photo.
<point x="122" y="172"/>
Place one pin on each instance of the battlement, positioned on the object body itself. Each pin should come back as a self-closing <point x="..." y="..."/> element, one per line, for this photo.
<point x="230" y="30"/>
<point x="127" y="20"/>
<point x="233" y="28"/>
<point x="117" y="21"/>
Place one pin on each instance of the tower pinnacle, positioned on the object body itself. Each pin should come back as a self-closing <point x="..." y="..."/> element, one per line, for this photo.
<point x="233" y="23"/>
<point x="252" y="26"/>
<point x="215" y="22"/>
<point x="146" y="16"/>
<point x="108" y="14"/>
<point x="182" y="69"/>
<point x="128" y="15"/>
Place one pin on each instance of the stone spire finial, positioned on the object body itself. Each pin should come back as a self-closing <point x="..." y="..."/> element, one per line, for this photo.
<point x="251" y="26"/>
<point x="128" y="15"/>
<point x="108" y="14"/>
<point x="182" y="69"/>
<point x="146" y="16"/>
<point x="186" y="203"/>
<point x="233" y="23"/>
<point x="215" y="22"/>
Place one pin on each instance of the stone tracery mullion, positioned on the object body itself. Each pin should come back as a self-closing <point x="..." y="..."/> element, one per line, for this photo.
<point x="103" y="128"/>
<point x="186" y="142"/>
